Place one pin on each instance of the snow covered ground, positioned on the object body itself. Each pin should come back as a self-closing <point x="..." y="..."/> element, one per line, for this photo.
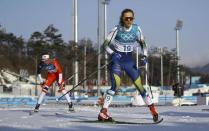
<point x="187" y="118"/>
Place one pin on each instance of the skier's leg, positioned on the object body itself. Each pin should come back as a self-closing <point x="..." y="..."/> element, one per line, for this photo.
<point x="146" y="98"/>
<point x="67" y="96"/>
<point x="115" y="82"/>
<point x="115" y="73"/>
<point x="45" y="87"/>
<point x="104" y="114"/>
<point x="134" y="73"/>
<point x="70" y="103"/>
<point x="41" y="97"/>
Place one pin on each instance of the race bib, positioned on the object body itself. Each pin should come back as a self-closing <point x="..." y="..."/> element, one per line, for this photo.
<point x="127" y="48"/>
<point x="124" y="47"/>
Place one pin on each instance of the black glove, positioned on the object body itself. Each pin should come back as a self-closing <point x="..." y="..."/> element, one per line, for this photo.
<point x="144" y="59"/>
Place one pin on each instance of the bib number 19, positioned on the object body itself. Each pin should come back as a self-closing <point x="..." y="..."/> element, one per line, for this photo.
<point x="127" y="48"/>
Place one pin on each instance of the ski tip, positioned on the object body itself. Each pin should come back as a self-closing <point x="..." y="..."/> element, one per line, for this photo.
<point x="56" y="113"/>
<point x="30" y="113"/>
<point x="71" y="111"/>
<point x="205" y="109"/>
<point x="64" y="113"/>
<point x="159" y="121"/>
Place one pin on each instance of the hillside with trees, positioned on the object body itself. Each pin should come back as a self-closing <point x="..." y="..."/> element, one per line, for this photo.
<point x="17" y="53"/>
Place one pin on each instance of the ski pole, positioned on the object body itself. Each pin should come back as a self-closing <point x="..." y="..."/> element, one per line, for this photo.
<point x="148" y="79"/>
<point x="57" y="99"/>
<point x="71" y="77"/>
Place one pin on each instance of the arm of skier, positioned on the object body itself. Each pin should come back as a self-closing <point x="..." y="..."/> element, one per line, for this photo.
<point x="143" y="45"/>
<point x="59" y="70"/>
<point x="39" y="69"/>
<point x="108" y="40"/>
<point x="111" y="36"/>
<point x="141" y="42"/>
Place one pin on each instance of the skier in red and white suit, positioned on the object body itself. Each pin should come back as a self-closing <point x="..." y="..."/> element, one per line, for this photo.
<point x="54" y="74"/>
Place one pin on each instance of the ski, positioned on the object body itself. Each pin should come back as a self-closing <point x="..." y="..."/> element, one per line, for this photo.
<point x="32" y="112"/>
<point x="121" y="122"/>
<point x="205" y="109"/>
<point x="64" y="113"/>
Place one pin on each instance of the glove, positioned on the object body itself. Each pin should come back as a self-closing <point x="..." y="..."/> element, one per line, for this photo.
<point x="42" y="83"/>
<point x="116" y="56"/>
<point x="61" y="86"/>
<point x="40" y="79"/>
<point x="144" y="59"/>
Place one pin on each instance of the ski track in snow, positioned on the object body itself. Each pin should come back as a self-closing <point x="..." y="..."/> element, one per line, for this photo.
<point x="189" y="118"/>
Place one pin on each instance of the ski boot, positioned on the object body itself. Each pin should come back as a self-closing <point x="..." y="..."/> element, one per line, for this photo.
<point x="154" y="113"/>
<point x="71" y="108"/>
<point x="104" y="116"/>
<point x="35" y="110"/>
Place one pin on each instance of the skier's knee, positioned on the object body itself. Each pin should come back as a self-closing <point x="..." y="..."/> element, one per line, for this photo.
<point x="139" y="85"/>
<point x="117" y="80"/>
<point x="45" y="89"/>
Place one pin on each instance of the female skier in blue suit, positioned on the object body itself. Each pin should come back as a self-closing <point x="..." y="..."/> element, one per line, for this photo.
<point x="119" y="44"/>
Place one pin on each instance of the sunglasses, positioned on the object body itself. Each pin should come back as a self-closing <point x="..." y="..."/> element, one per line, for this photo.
<point x="129" y="18"/>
